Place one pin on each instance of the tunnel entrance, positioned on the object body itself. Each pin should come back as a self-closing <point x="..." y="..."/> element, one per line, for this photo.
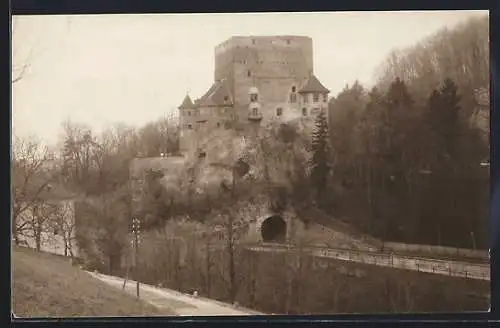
<point x="273" y="229"/>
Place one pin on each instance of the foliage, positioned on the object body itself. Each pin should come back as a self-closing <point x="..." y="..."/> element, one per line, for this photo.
<point x="320" y="167"/>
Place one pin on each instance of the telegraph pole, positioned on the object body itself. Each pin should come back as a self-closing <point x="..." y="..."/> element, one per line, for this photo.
<point x="136" y="227"/>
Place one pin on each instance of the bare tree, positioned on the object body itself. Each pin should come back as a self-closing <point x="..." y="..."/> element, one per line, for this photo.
<point x="63" y="224"/>
<point x="21" y="62"/>
<point x="30" y="179"/>
<point x="41" y="213"/>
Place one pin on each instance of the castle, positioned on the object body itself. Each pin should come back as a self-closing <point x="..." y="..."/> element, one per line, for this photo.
<point x="257" y="79"/>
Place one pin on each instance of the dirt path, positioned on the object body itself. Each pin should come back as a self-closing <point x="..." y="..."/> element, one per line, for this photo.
<point x="181" y="304"/>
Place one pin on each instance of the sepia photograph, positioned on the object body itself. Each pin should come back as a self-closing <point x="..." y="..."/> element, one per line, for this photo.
<point x="250" y="164"/>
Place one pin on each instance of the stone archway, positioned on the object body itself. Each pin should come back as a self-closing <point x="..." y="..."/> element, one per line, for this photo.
<point x="273" y="229"/>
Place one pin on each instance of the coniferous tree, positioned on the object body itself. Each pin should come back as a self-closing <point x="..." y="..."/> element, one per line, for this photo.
<point x="456" y="193"/>
<point x="320" y="168"/>
<point x="394" y="136"/>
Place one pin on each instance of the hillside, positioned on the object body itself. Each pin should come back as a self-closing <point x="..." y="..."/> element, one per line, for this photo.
<point x="269" y="160"/>
<point x="48" y="285"/>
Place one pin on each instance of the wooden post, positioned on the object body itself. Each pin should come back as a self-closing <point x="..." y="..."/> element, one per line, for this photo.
<point x="135" y="229"/>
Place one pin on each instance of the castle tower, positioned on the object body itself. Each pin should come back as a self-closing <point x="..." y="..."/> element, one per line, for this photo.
<point x="314" y="98"/>
<point x="187" y="121"/>
<point x="258" y="79"/>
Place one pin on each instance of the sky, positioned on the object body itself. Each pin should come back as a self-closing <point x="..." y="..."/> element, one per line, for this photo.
<point x="105" y="69"/>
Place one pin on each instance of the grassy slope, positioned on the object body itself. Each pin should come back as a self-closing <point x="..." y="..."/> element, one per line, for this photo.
<point x="47" y="285"/>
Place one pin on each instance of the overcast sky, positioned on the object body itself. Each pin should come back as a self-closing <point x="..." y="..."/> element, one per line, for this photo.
<point x="102" y="69"/>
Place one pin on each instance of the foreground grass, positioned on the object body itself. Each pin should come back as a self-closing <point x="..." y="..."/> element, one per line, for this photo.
<point x="48" y="285"/>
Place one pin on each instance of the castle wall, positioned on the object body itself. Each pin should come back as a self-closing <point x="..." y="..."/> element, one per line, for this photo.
<point x="273" y="65"/>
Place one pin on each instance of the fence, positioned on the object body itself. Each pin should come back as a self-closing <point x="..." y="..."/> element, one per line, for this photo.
<point x="434" y="266"/>
<point x="436" y="250"/>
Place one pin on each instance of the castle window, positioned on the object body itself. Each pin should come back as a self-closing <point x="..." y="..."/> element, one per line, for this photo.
<point x="254" y="97"/>
<point x="249" y="73"/>
<point x="316" y="97"/>
<point x="293" y="97"/>
<point x="279" y="111"/>
<point x="304" y="111"/>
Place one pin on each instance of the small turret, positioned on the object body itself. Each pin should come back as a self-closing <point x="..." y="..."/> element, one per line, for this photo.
<point x="187" y="103"/>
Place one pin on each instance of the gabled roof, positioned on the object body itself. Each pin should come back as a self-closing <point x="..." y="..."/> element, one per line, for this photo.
<point x="187" y="103"/>
<point x="313" y="85"/>
<point x="216" y="94"/>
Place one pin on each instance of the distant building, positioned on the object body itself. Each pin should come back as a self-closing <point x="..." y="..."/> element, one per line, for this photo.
<point x="257" y="79"/>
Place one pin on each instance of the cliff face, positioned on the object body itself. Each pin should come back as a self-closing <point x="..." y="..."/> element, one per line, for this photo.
<point x="273" y="154"/>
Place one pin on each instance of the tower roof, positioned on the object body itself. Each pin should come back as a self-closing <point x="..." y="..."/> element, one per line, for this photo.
<point x="217" y="95"/>
<point x="187" y="103"/>
<point x="313" y="85"/>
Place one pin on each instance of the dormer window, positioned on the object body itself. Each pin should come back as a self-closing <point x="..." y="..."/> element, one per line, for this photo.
<point x="279" y="111"/>
<point x="315" y="97"/>
<point x="254" y="94"/>
<point x="226" y="98"/>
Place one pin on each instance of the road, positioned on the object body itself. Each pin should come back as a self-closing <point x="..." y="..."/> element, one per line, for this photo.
<point x="181" y="304"/>
<point x="435" y="266"/>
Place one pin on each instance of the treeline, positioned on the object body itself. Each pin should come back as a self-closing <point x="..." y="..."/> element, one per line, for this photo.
<point x="406" y="156"/>
<point x="94" y="170"/>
